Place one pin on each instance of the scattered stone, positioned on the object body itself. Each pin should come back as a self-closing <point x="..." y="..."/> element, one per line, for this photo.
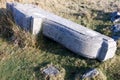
<point x="115" y="16"/>
<point x="100" y="76"/>
<point x="90" y="74"/>
<point x="51" y="71"/>
<point x="115" y="32"/>
<point x="116" y="28"/>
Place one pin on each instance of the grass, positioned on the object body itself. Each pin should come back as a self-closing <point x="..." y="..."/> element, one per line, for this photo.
<point x="22" y="55"/>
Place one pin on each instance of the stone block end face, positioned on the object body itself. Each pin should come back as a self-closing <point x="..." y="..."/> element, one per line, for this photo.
<point x="107" y="50"/>
<point x="36" y="25"/>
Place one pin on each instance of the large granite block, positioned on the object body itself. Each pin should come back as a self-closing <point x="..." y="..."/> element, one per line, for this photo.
<point x="81" y="40"/>
<point x="36" y="24"/>
<point x="75" y="37"/>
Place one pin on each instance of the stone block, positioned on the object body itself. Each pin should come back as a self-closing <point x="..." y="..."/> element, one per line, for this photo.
<point x="75" y="37"/>
<point x="81" y="40"/>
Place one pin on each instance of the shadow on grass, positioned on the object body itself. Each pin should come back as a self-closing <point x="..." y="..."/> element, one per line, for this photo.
<point x="53" y="47"/>
<point x="5" y="25"/>
<point x="104" y="29"/>
<point x="13" y="33"/>
<point x="8" y="32"/>
<point x="102" y="15"/>
<point x="105" y="22"/>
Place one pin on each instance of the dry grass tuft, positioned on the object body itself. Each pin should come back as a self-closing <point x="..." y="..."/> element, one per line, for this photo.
<point x="12" y="33"/>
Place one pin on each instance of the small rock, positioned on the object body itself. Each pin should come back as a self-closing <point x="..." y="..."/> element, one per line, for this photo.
<point x="115" y="32"/>
<point x="115" y="16"/>
<point x="115" y="28"/>
<point x="51" y="71"/>
<point x="90" y="74"/>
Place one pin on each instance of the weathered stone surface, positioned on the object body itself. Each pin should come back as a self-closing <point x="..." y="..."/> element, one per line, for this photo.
<point x="51" y="71"/>
<point x="75" y="37"/>
<point x="90" y="74"/>
<point x="81" y="40"/>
